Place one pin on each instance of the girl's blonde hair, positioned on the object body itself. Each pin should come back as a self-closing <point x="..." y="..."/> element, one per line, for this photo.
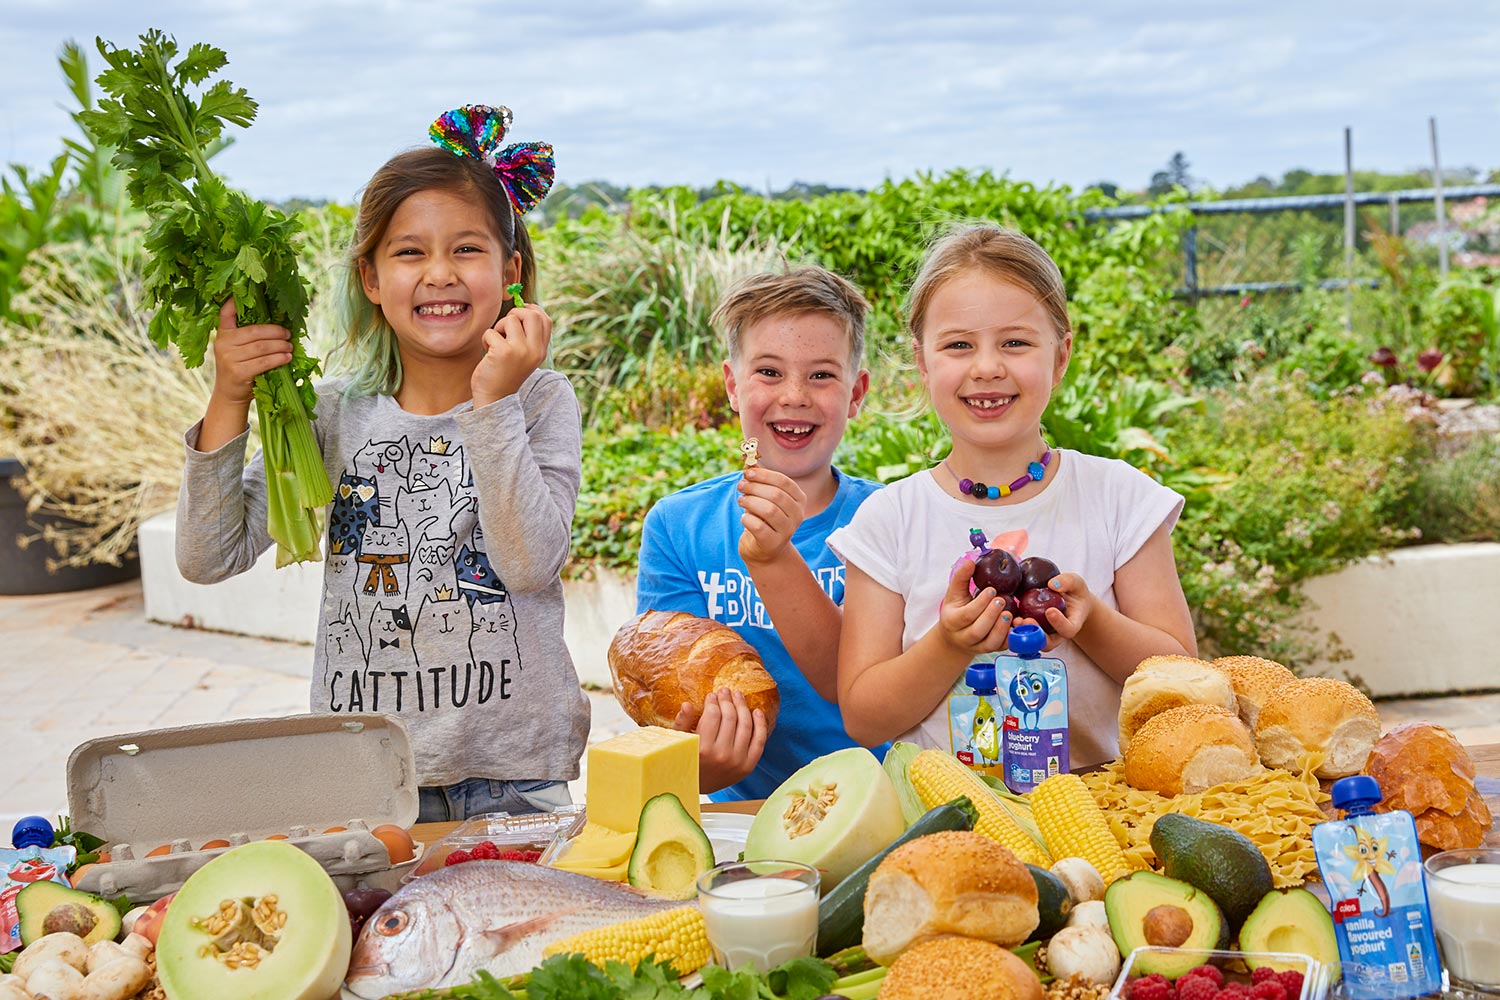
<point x="369" y="351"/>
<point x="1001" y="253"/>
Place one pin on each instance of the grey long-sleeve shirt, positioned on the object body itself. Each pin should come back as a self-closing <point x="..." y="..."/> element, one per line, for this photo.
<point x="442" y="601"/>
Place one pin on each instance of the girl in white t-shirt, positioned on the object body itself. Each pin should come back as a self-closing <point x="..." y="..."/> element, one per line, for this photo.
<point x="990" y="329"/>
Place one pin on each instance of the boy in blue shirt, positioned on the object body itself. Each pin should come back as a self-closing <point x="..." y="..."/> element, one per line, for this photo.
<point x="748" y="548"/>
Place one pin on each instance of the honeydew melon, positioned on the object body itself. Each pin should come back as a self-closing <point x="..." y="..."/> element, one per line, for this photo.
<point x="261" y="921"/>
<point x="834" y="814"/>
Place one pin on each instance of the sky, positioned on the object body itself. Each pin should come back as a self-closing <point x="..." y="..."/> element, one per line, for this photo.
<point x="767" y="92"/>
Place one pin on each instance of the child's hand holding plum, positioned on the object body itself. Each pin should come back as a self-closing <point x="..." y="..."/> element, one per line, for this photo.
<point x="977" y="623"/>
<point x="1062" y="607"/>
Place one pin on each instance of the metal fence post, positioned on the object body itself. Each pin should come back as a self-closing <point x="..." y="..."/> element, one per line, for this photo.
<point x="1348" y="230"/>
<point x="1190" y="263"/>
<point x="1437" y="185"/>
<point x="1395" y="204"/>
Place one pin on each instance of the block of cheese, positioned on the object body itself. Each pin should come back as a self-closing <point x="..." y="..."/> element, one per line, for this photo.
<point x="626" y="770"/>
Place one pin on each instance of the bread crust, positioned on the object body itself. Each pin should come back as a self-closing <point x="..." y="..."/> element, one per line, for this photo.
<point x="1255" y="679"/>
<point x="1322" y="716"/>
<point x="660" y="659"/>
<point x="959" y="968"/>
<point x="953" y="882"/>
<point x="1161" y="683"/>
<point x="1188" y="749"/>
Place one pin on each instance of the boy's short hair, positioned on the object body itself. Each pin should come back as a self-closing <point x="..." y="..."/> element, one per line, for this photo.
<point x="806" y="288"/>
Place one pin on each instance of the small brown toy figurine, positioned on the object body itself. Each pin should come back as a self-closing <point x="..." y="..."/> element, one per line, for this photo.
<point x="750" y="448"/>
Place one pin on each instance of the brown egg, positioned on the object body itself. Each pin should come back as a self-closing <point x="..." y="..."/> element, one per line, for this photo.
<point x="157" y="852"/>
<point x="213" y="845"/>
<point x="398" y="842"/>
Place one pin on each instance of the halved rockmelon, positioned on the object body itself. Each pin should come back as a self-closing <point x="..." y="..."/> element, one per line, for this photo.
<point x="261" y="921"/>
<point x="834" y="814"/>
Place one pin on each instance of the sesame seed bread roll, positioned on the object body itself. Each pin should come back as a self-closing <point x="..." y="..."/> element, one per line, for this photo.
<point x="1190" y="748"/>
<point x="954" y="882"/>
<point x="1254" y="679"/>
<point x="958" y="968"/>
<point x="1164" y="682"/>
<point x="1317" y="715"/>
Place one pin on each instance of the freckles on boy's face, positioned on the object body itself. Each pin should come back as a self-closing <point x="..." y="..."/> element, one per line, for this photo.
<point x="795" y="390"/>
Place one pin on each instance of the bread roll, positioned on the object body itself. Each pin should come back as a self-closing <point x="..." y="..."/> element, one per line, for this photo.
<point x="1254" y="680"/>
<point x="1436" y="829"/>
<point x="955" y="882"/>
<point x="958" y="968"/>
<point x="1420" y="767"/>
<point x="1317" y="715"/>
<point x="661" y="659"/>
<point x="1163" y="682"/>
<point x="1187" y="749"/>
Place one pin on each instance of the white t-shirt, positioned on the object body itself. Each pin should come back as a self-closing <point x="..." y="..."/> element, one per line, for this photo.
<point x="1090" y="519"/>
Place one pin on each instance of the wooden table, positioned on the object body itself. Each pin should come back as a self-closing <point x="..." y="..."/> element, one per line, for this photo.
<point x="1486" y="767"/>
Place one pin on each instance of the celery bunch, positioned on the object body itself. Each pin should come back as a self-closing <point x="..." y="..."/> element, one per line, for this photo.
<point x="207" y="243"/>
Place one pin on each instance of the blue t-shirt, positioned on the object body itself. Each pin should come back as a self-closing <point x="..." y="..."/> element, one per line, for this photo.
<point x="690" y="561"/>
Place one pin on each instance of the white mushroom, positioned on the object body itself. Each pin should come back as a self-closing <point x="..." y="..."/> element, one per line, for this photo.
<point x="101" y="953"/>
<point x="1088" y="952"/>
<point x="1081" y="878"/>
<point x="127" y="922"/>
<point x="11" y="989"/>
<point x="1089" y="914"/>
<point x="119" y="980"/>
<point x="66" y="947"/>
<point x="138" y="945"/>
<point x="55" y="980"/>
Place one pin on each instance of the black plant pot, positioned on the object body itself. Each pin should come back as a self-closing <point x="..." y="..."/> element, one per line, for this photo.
<point x="24" y="571"/>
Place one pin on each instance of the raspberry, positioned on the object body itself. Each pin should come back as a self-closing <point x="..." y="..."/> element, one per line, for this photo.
<point x="485" y="850"/>
<point x="1271" y="989"/>
<point x="1211" y="971"/>
<point x="457" y="858"/>
<point x="1153" y="987"/>
<point x="1196" y="987"/>
<point x="1291" y="981"/>
<point x="1261" y="974"/>
<point x="520" y="854"/>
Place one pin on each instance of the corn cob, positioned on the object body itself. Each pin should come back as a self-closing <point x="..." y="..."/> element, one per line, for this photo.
<point x="675" y="935"/>
<point x="1074" y="827"/>
<point x="939" y="777"/>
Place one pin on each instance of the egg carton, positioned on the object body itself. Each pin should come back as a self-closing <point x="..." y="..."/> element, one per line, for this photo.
<point x="300" y="778"/>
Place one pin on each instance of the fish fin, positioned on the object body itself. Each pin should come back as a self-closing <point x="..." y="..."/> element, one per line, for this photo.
<point x="502" y="938"/>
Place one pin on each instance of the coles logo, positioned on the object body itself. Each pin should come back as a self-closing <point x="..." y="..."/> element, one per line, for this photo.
<point x="1345" y="909"/>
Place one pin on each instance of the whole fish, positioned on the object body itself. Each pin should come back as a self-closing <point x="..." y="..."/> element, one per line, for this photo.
<point x="440" y="929"/>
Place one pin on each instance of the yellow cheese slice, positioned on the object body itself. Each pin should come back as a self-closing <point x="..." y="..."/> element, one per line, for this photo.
<point x="628" y="769"/>
<point x="615" y="873"/>
<point x="597" y="847"/>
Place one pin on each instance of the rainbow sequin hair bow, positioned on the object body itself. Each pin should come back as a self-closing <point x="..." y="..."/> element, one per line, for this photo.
<point x="525" y="169"/>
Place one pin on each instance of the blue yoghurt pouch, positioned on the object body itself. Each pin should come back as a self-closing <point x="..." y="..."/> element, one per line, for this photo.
<point x="1035" y="730"/>
<point x="974" y="720"/>
<point x="1371" y="865"/>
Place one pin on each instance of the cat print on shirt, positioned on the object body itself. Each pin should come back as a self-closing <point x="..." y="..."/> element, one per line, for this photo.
<point x="385" y="551"/>
<point x="345" y="640"/>
<point x="354" y="506"/>
<point x="387" y="463"/>
<point x="429" y="468"/>
<point x="495" y="629"/>
<point x="476" y="580"/>
<point x="433" y="559"/>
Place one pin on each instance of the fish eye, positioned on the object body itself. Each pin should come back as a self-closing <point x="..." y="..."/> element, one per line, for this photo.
<point x="392" y="923"/>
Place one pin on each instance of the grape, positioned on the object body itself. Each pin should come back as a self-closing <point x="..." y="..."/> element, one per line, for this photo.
<point x="997" y="568"/>
<point x="361" y="903"/>
<point x="1036" y="572"/>
<point x="1035" y="602"/>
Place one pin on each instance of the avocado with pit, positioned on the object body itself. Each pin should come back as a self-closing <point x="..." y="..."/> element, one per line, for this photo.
<point x="671" y="850"/>
<point x="48" y="907"/>
<point x="1147" y="909"/>
<point x="1222" y="862"/>
<point x="1289" y="920"/>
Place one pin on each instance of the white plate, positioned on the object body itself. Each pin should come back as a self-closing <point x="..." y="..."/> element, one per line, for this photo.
<point x="727" y="832"/>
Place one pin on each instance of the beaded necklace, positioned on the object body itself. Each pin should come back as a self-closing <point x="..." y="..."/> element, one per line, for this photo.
<point x="979" y="491"/>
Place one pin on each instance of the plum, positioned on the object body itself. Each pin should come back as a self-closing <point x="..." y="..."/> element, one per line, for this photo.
<point x="1036" y="572"/>
<point x="1035" y="602"/>
<point x="999" y="569"/>
<point x="362" y="904"/>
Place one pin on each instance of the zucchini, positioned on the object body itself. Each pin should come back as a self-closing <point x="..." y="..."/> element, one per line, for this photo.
<point x="841" y="914"/>
<point x="1053" y="903"/>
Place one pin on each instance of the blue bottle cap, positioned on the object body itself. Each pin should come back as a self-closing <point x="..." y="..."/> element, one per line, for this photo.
<point x="32" y="831"/>
<point x="980" y="676"/>
<point x="1027" y="640"/>
<point x="1358" y="791"/>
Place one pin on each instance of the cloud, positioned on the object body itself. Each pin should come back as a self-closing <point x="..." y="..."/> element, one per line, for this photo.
<point x="834" y="91"/>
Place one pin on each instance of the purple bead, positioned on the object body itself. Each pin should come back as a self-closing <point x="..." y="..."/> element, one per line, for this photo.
<point x="965" y="485"/>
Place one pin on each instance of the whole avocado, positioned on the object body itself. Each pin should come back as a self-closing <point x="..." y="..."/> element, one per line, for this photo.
<point x="1222" y="862"/>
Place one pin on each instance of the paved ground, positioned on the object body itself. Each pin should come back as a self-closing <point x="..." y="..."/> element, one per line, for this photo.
<point x="87" y="664"/>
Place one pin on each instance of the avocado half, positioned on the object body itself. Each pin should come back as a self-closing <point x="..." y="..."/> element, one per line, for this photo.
<point x="1150" y="910"/>
<point x="48" y="907"/>
<point x="1290" y="920"/>
<point x="671" y="850"/>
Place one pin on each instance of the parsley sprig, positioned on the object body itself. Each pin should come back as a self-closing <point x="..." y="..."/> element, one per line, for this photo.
<point x="208" y="242"/>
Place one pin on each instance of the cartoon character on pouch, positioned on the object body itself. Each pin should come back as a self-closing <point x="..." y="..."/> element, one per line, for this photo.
<point x="985" y="739"/>
<point x="750" y="449"/>
<point x="1371" y="858"/>
<point x="1028" y="693"/>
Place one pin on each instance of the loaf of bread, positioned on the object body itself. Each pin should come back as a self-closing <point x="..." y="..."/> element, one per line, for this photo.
<point x="660" y="659"/>
<point x="1187" y="749"/>
<point x="1321" y="716"/>
<point x="1254" y="680"/>
<point x="1163" y="682"/>
<point x="954" y="882"/>
<point x="1423" y="769"/>
<point x="959" y="968"/>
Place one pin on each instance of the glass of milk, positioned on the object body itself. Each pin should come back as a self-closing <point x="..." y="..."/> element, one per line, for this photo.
<point x="1463" y="890"/>
<point x="762" y="913"/>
